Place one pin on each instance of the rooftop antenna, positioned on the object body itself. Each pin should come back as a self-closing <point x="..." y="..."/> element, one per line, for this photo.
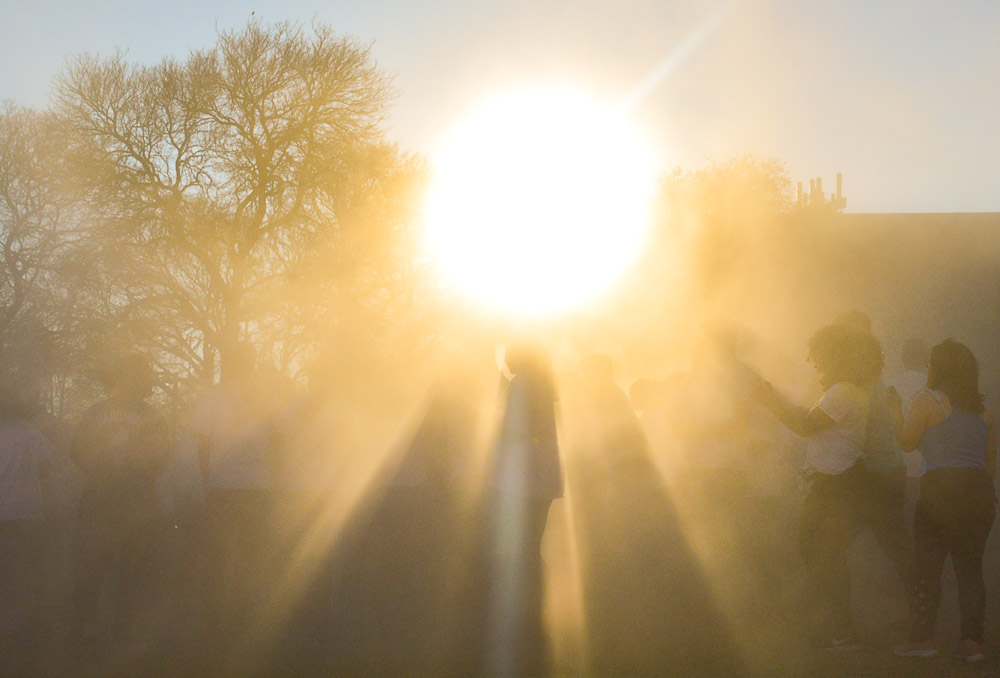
<point x="817" y="199"/>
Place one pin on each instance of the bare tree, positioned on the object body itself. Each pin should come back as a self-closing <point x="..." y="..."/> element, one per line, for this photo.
<point x="34" y="235"/>
<point x="379" y="310"/>
<point x="208" y="181"/>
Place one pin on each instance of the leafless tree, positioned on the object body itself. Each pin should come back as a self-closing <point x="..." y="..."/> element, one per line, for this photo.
<point x="35" y="232"/>
<point x="210" y="182"/>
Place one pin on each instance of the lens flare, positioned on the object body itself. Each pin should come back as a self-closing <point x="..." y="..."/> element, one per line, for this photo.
<point x="540" y="202"/>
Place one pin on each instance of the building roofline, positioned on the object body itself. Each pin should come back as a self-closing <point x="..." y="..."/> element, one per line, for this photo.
<point x="924" y="214"/>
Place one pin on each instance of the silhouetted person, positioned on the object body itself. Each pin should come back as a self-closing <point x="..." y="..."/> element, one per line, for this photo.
<point x="613" y="432"/>
<point x="955" y="511"/>
<point x="408" y="583"/>
<point x="712" y="489"/>
<point x="885" y="473"/>
<point x="232" y="431"/>
<point x="527" y="477"/>
<point x="420" y="531"/>
<point x="913" y="379"/>
<point x="121" y="445"/>
<point x="908" y="383"/>
<point x="847" y="360"/>
<point x="25" y="457"/>
<point x="646" y="607"/>
<point x="62" y="487"/>
<point x="712" y="423"/>
<point x="184" y="541"/>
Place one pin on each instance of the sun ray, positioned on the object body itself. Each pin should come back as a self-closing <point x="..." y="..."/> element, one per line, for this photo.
<point x="670" y="63"/>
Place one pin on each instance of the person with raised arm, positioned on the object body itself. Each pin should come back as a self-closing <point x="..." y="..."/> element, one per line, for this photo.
<point x="122" y="445"/>
<point x="847" y="359"/>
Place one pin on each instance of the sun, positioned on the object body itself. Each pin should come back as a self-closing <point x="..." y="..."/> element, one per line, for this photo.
<point x="540" y="201"/>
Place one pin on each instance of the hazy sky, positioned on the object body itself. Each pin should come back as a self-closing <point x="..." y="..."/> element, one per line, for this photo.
<point x="900" y="96"/>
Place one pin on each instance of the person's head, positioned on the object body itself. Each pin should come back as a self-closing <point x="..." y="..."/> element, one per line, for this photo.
<point x="531" y="361"/>
<point x="854" y="318"/>
<point x="132" y="377"/>
<point x="954" y="370"/>
<point x="844" y="352"/>
<point x="526" y="357"/>
<point x="915" y="355"/>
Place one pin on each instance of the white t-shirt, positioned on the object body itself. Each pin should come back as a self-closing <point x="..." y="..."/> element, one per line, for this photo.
<point x="22" y="449"/>
<point x="839" y="447"/>
<point x="236" y="438"/>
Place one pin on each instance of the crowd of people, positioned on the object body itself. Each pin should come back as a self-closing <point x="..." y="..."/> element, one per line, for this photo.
<point x="260" y="532"/>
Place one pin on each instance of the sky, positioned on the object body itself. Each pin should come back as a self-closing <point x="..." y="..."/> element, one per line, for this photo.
<point x="901" y="97"/>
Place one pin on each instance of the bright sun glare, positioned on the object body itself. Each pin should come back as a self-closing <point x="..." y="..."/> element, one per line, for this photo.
<point x="540" y="202"/>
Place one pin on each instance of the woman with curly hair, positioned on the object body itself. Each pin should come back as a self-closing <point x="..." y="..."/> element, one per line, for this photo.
<point x="955" y="511"/>
<point x="847" y="360"/>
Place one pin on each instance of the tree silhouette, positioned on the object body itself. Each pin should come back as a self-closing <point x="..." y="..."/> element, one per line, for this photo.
<point x="209" y="181"/>
<point x="35" y="220"/>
